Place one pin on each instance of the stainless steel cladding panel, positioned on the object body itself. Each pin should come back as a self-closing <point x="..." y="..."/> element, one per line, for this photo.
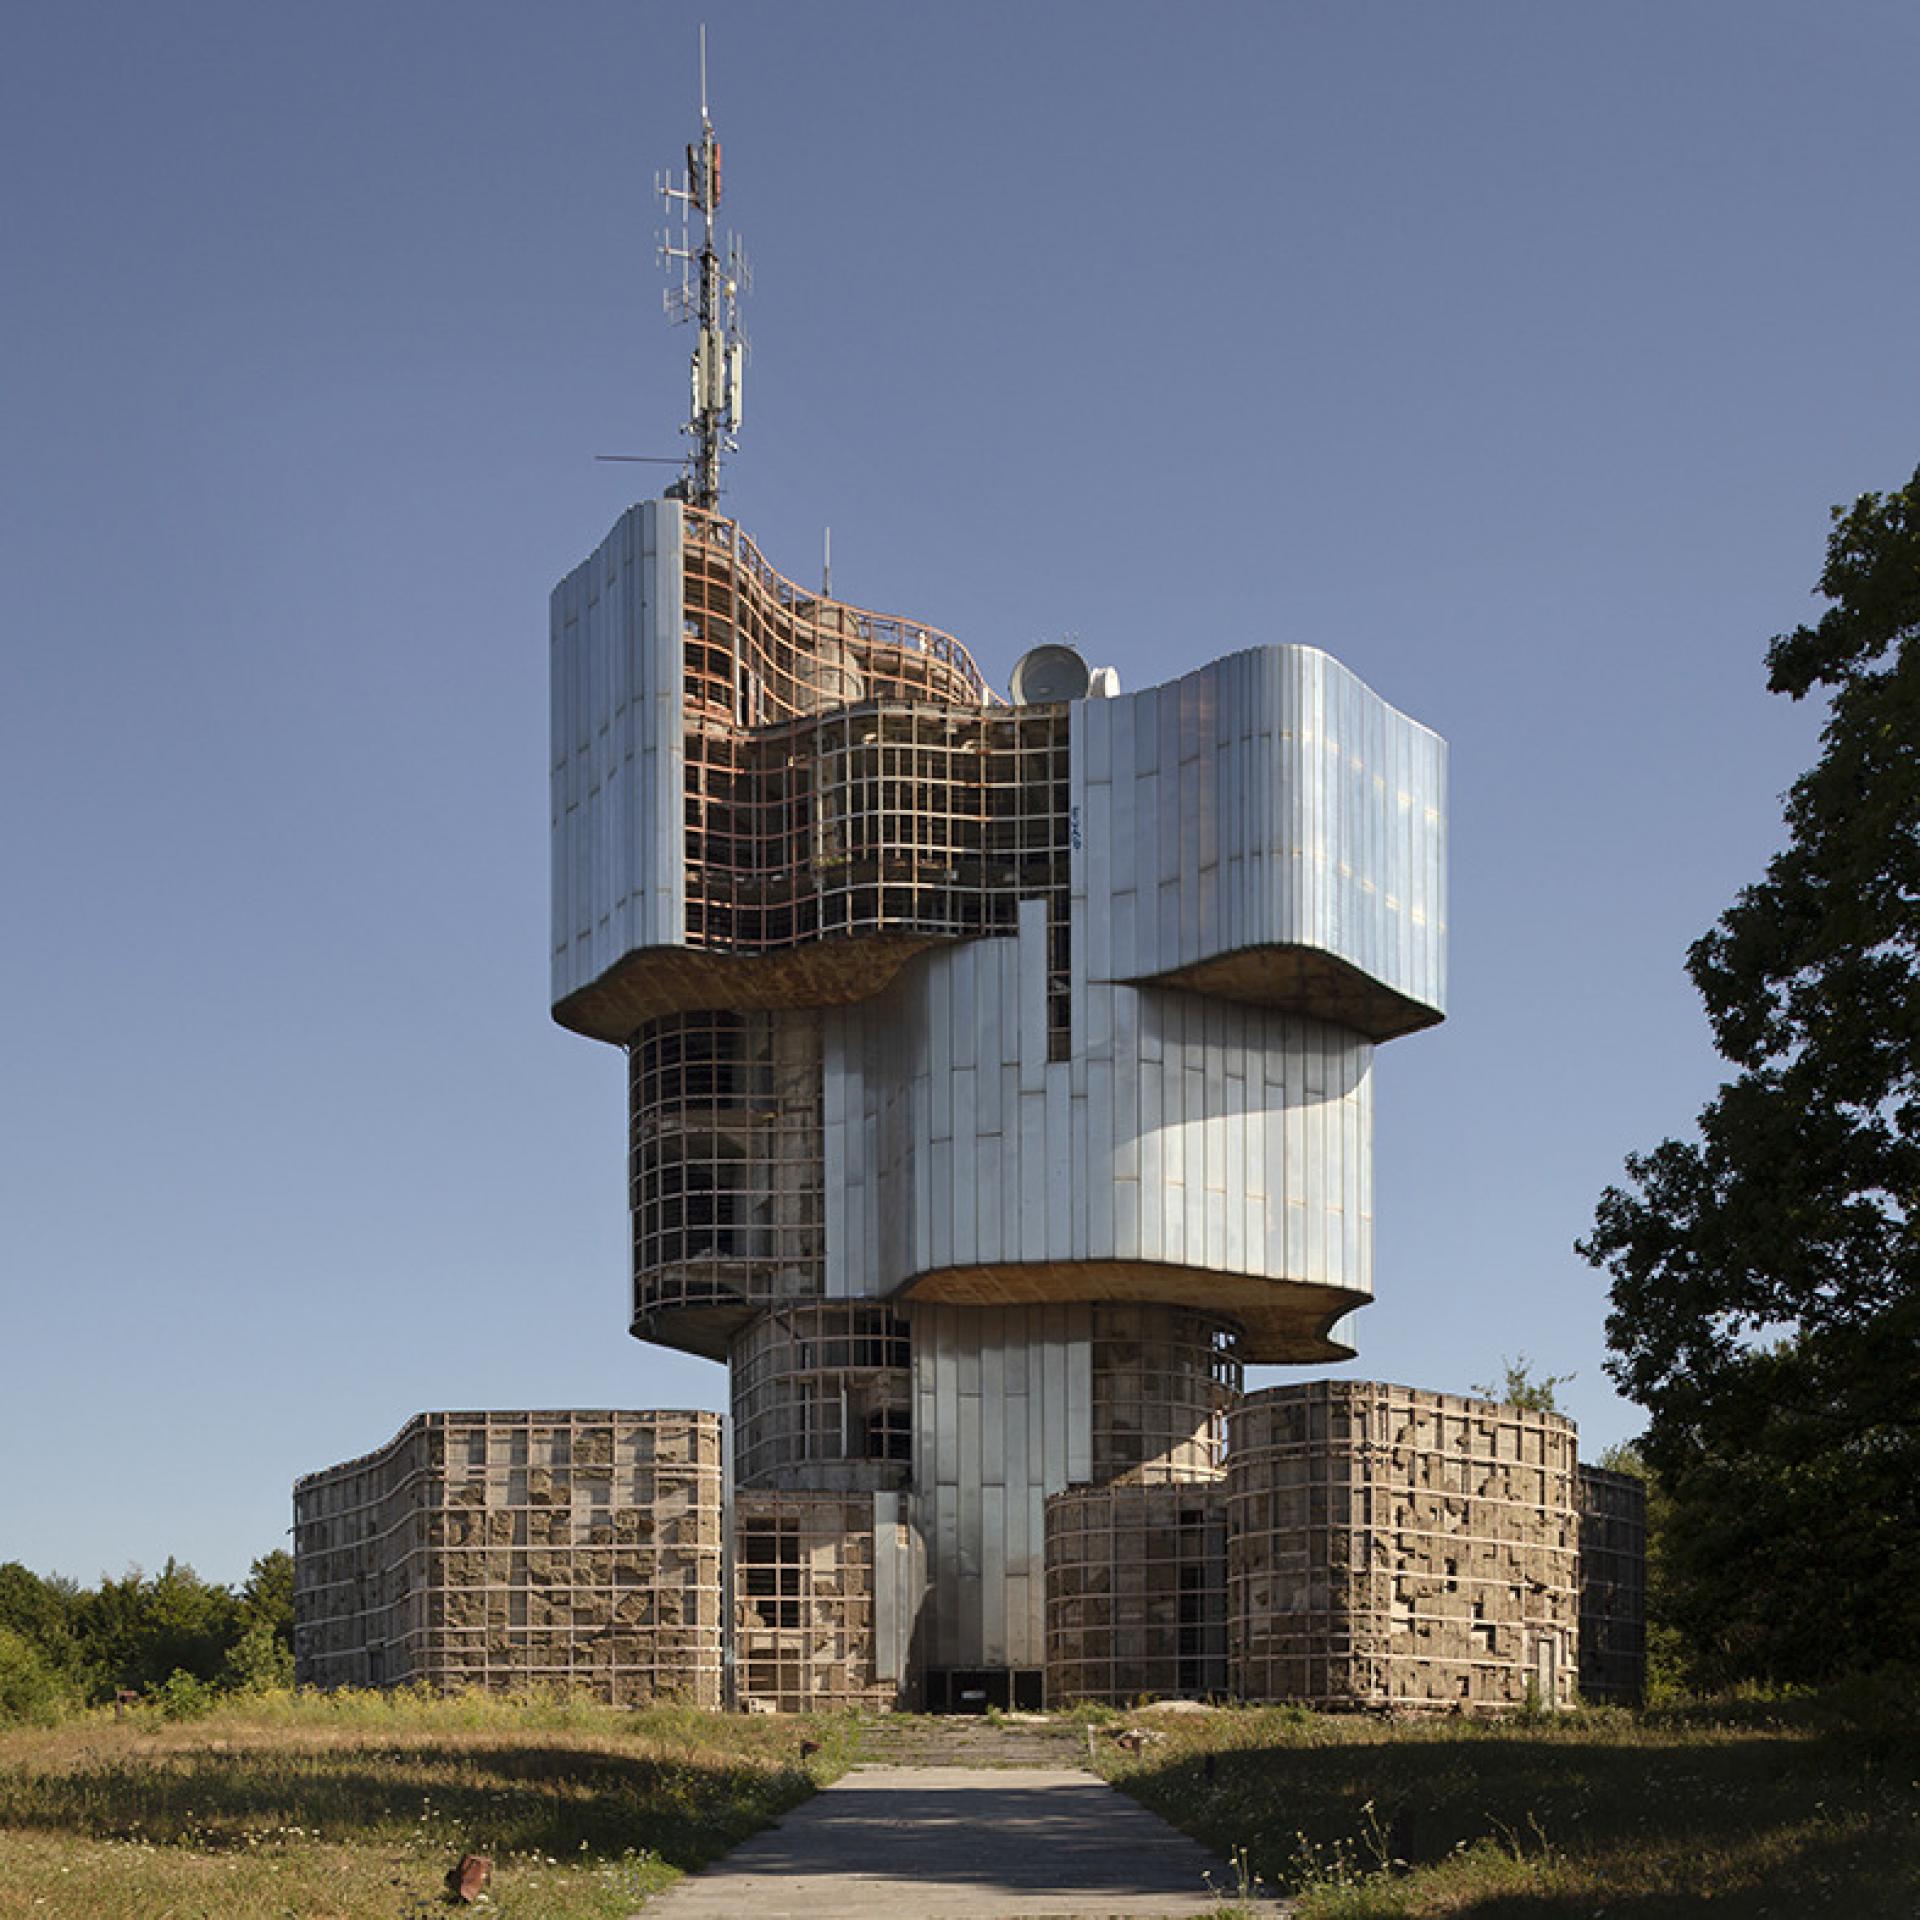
<point x="1270" y="799"/>
<point x="1003" y="1418"/>
<point x="1203" y="1134"/>
<point x="618" y="760"/>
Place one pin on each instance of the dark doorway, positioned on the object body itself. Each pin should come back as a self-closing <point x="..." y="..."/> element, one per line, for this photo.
<point x="975" y="1689"/>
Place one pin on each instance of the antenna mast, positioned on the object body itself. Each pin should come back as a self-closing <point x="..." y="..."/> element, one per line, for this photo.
<point x="708" y="294"/>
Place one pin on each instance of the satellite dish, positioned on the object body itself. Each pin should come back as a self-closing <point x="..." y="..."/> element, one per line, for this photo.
<point x="1047" y="674"/>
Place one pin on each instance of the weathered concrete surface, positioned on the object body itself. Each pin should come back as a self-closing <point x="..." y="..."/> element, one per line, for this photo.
<point x="957" y="1843"/>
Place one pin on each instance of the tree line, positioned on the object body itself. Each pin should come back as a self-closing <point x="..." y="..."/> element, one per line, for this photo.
<point x="1766" y="1267"/>
<point x="169" y="1635"/>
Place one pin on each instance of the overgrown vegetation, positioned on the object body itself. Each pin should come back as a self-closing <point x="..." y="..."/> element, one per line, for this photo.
<point x="169" y="1634"/>
<point x="1520" y="1386"/>
<point x="354" y="1805"/>
<point x="1782" y="1807"/>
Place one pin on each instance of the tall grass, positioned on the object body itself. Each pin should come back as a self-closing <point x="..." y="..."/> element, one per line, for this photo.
<point x="354" y="1801"/>
<point x="1744" y="1807"/>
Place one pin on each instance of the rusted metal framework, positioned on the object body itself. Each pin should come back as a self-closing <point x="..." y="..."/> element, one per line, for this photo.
<point x="822" y="1398"/>
<point x="849" y="774"/>
<point x="1136" y="1593"/>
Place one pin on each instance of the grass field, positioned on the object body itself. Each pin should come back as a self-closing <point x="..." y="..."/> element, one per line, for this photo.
<point x="354" y="1807"/>
<point x="1743" y="1810"/>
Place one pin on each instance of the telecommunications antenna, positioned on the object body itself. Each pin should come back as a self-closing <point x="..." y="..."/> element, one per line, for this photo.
<point x="708" y="294"/>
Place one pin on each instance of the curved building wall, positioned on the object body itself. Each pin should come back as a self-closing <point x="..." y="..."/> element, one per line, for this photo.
<point x="1164" y="1381"/>
<point x="507" y="1550"/>
<point x="1270" y="829"/>
<point x="1393" y="1547"/>
<point x="724" y="1171"/>
<point x="822" y="1398"/>
<point x="1183" y="1133"/>
<point x="1136" y="1593"/>
<point x="763" y="797"/>
<point x="619" y="750"/>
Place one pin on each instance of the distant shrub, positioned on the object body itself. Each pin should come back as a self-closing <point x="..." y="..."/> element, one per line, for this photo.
<point x="1090" y="1713"/>
<point x="260" y="1661"/>
<point x="184" y="1696"/>
<point x="33" y="1692"/>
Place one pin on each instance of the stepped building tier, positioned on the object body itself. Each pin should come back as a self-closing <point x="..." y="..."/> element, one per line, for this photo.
<point x="1000" y="1075"/>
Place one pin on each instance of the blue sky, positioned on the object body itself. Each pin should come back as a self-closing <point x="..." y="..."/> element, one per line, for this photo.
<point x="1512" y="353"/>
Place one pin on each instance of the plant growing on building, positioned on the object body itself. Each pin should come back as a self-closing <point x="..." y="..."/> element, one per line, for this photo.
<point x="1522" y="1387"/>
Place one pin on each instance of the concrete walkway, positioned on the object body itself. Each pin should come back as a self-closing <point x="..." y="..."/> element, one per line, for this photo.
<point x="957" y="1843"/>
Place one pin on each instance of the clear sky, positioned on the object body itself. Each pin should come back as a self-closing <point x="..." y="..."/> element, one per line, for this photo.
<point x="1512" y="353"/>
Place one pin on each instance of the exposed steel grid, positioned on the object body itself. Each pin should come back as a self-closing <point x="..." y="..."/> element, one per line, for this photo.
<point x="778" y="650"/>
<point x="805" y="1635"/>
<point x="874" y="819"/>
<point x="850" y="773"/>
<point x="1136" y="1593"/>
<point x="1164" y="1380"/>
<point x="725" y="1164"/>
<point x="823" y="1391"/>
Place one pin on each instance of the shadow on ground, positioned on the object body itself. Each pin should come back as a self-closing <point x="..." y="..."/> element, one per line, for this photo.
<point x="1530" y="1822"/>
<point x="491" y="1796"/>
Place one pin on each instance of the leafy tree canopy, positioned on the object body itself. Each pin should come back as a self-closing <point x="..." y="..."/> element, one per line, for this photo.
<point x="267" y="1598"/>
<point x="1764" y="1298"/>
<point x="140" y="1629"/>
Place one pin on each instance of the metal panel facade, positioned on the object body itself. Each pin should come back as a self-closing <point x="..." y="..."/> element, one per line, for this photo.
<point x="618" y="759"/>
<point x="1201" y="1134"/>
<point x="1269" y="799"/>
<point x="1164" y="1063"/>
<point x="1002" y="1417"/>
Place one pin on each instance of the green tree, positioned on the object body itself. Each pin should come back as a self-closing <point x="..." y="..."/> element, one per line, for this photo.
<point x="33" y="1690"/>
<point x="267" y="1597"/>
<point x="262" y="1656"/>
<point x="45" y="1612"/>
<point x="139" y="1629"/>
<point x="1765" y="1310"/>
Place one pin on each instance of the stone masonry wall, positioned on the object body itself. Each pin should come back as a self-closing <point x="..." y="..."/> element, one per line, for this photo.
<point x="1390" y="1547"/>
<point x="509" y="1550"/>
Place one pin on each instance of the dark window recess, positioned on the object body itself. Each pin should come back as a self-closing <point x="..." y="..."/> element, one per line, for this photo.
<point x="1059" y="981"/>
<point x="770" y="1572"/>
<point x="974" y="1690"/>
<point x="889" y="1434"/>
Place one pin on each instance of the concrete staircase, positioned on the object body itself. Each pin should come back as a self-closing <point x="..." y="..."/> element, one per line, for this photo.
<point x="967" y="1740"/>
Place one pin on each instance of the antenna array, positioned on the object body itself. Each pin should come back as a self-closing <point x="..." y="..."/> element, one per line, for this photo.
<point x="708" y="293"/>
